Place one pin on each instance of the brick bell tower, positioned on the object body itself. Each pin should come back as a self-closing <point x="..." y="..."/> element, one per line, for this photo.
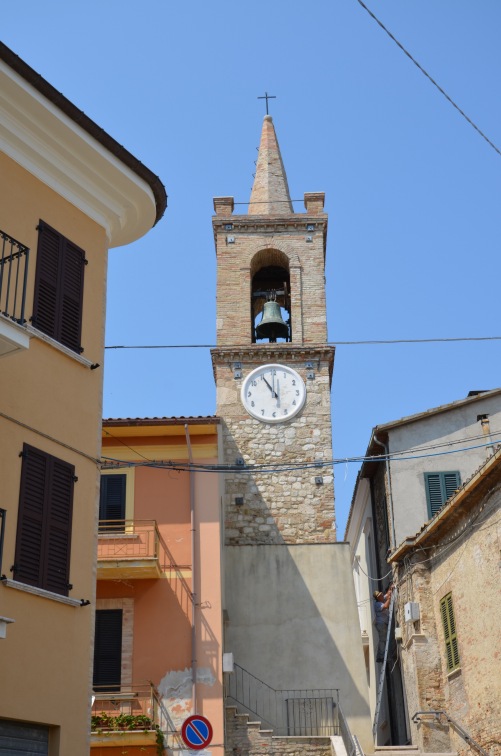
<point x="273" y="378"/>
<point x="291" y="617"/>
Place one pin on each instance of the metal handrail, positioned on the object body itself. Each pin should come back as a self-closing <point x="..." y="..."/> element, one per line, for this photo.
<point x="308" y="712"/>
<point x="14" y="258"/>
<point x="353" y="747"/>
<point x="457" y="727"/>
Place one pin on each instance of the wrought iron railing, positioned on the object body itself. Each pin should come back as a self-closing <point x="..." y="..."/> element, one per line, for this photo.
<point x="128" y="707"/>
<point x="307" y="712"/>
<point x="128" y="539"/>
<point x="437" y="716"/>
<point x="14" y="258"/>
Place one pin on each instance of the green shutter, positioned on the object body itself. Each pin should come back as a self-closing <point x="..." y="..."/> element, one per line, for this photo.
<point x="440" y="487"/>
<point x="450" y="637"/>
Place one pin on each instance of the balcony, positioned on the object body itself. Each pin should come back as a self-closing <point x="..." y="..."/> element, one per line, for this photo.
<point x="128" y="549"/>
<point x="132" y="717"/>
<point x="14" y="258"/>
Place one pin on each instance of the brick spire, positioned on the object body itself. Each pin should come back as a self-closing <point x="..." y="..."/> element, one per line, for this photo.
<point x="270" y="193"/>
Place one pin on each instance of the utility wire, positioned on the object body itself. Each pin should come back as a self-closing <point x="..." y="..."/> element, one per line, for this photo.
<point x="328" y="343"/>
<point x="109" y="462"/>
<point x="442" y="91"/>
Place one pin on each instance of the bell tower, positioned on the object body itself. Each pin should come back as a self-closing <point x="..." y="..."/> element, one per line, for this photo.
<point x="271" y="321"/>
<point x="290" y="608"/>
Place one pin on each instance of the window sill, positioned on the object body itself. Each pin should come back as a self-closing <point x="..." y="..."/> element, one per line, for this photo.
<point x="454" y="673"/>
<point x="40" y="592"/>
<point x="57" y="345"/>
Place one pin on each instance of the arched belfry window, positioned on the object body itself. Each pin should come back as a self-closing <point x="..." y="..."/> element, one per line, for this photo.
<point x="270" y="297"/>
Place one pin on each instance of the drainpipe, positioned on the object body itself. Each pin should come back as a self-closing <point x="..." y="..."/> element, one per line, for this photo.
<point x="194" y="574"/>
<point x="390" y="497"/>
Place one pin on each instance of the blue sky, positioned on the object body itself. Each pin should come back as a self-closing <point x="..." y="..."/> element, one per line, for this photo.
<point x="412" y="191"/>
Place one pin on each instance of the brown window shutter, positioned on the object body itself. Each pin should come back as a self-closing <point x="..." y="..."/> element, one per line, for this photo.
<point x="59" y="516"/>
<point x="46" y="305"/>
<point x="72" y="296"/>
<point x="44" y="521"/>
<point x="57" y="307"/>
<point x="30" y="522"/>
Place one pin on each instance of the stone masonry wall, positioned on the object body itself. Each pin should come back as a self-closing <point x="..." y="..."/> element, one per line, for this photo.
<point x="288" y="505"/>
<point x="464" y="562"/>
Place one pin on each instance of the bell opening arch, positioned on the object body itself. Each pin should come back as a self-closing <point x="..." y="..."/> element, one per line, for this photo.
<point x="270" y="300"/>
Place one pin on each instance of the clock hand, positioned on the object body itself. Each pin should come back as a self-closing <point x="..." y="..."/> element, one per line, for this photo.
<point x="277" y="393"/>
<point x="271" y="389"/>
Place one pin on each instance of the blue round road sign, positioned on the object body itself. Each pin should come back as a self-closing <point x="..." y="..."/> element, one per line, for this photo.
<point x="196" y="732"/>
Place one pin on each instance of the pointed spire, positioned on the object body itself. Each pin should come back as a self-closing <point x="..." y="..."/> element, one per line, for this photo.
<point x="270" y="193"/>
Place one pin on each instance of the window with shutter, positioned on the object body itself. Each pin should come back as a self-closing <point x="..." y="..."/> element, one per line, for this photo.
<point x="43" y="537"/>
<point x="112" y="502"/>
<point x="108" y="649"/>
<point x="57" y="307"/>
<point x="440" y="487"/>
<point x="450" y="637"/>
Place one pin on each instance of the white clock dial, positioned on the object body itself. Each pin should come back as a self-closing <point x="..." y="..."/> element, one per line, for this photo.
<point x="273" y="393"/>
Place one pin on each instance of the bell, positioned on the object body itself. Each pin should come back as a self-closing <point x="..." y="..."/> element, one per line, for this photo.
<point x="272" y="326"/>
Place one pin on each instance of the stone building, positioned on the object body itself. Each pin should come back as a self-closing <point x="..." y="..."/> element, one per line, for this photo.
<point x="429" y="455"/>
<point x="287" y="626"/>
<point x="448" y="612"/>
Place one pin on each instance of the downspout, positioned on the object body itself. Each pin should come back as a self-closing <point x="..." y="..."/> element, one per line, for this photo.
<point x="194" y="575"/>
<point x="390" y="496"/>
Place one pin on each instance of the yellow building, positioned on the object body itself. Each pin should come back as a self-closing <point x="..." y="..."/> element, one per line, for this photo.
<point x="68" y="192"/>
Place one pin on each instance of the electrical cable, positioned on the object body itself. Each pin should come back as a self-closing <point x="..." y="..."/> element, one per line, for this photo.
<point x="364" y="342"/>
<point x="51" y="438"/>
<point x="281" y="466"/>
<point x="442" y="91"/>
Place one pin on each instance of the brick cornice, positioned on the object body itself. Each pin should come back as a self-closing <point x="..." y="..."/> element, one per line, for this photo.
<point x="264" y="224"/>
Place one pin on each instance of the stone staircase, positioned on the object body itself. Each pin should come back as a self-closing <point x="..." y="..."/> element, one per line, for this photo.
<point x="405" y="751"/>
<point x="245" y="737"/>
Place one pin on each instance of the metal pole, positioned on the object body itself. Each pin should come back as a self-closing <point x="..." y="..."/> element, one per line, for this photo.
<point x="194" y="574"/>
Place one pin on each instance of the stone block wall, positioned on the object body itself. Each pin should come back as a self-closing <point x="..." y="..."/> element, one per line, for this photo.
<point x="463" y="562"/>
<point x="287" y="505"/>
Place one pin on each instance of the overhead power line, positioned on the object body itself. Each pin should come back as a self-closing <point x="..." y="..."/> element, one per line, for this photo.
<point x="363" y="342"/>
<point x="442" y="91"/>
<point x="277" y="467"/>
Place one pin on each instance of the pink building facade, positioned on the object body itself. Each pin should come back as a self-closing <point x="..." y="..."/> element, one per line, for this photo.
<point x="158" y="641"/>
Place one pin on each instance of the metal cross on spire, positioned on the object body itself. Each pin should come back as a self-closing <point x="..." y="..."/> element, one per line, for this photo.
<point x="267" y="97"/>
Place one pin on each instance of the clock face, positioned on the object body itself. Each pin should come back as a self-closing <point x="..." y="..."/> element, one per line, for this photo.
<point x="273" y="393"/>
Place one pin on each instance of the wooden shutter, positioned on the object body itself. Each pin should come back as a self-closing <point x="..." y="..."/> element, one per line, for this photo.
<point x="450" y="637"/>
<point x="108" y="649"/>
<point x="44" y="521"/>
<point x="57" y="309"/>
<point x="59" y="516"/>
<point x="439" y="489"/>
<point x="112" y="500"/>
<point x="30" y="521"/>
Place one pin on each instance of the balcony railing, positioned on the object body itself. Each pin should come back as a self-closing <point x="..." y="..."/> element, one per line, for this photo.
<point x="308" y="712"/>
<point x="14" y="258"/>
<point x="128" y="547"/>
<point x="134" y="710"/>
